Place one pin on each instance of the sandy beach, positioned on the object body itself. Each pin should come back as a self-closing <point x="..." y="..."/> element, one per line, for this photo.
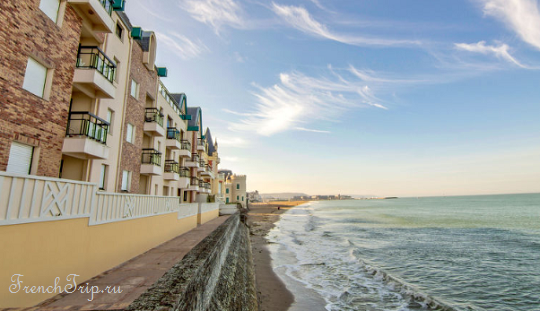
<point x="272" y="293"/>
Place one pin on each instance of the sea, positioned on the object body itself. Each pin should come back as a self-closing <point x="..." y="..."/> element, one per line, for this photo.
<point x="426" y="253"/>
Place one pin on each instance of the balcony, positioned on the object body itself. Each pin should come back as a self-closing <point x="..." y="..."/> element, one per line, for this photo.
<point x="200" y="144"/>
<point x="171" y="170"/>
<point x="202" y="166"/>
<point x="173" y="138"/>
<point x="153" y="122"/>
<point x="204" y="186"/>
<point x="94" y="73"/>
<point x="183" y="182"/>
<point x="208" y="171"/>
<point x="194" y="184"/>
<point x="96" y="14"/>
<point x="185" y="149"/>
<point x="86" y="136"/>
<point x="193" y="162"/>
<point x="151" y="162"/>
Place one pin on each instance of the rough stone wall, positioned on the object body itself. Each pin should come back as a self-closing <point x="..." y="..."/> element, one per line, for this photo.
<point x="217" y="274"/>
<point x="25" y="117"/>
<point x="135" y="111"/>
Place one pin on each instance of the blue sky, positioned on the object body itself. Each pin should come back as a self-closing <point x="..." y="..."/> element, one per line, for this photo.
<point x="386" y="97"/>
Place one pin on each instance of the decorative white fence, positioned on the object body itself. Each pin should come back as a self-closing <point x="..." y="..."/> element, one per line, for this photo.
<point x="25" y="199"/>
<point x="208" y="207"/>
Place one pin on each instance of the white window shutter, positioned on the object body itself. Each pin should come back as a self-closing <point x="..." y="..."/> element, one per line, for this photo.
<point x="20" y="159"/>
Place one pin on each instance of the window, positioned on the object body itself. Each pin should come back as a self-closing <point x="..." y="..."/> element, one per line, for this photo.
<point x="126" y="180"/>
<point x="50" y="8"/>
<point x="227" y="200"/>
<point x="35" y="77"/>
<point x="129" y="133"/>
<point x="102" y="176"/>
<point x="237" y="197"/>
<point x="110" y="119"/>
<point x="134" y="89"/>
<point x="237" y="186"/>
<point x="185" y="196"/>
<point x="20" y="159"/>
<point x="242" y="199"/>
<point x="119" y="31"/>
<point x="227" y="190"/>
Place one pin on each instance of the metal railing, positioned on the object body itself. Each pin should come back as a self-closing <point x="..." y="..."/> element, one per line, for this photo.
<point x="153" y="115"/>
<point x="92" y="57"/>
<point x="151" y="156"/>
<point x="84" y="123"/>
<point x="173" y="133"/>
<point x="194" y="157"/>
<point x="200" y="141"/>
<point x="184" y="172"/>
<point x="194" y="181"/>
<point x="171" y="166"/>
<point x="185" y="145"/>
<point x="107" y="5"/>
<point x="201" y="163"/>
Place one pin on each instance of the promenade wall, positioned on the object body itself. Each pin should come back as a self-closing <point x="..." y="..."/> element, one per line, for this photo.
<point x="53" y="228"/>
<point x="217" y="274"/>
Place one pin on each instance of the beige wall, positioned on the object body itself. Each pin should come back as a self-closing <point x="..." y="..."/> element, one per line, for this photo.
<point x="206" y="217"/>
<point x="46" y="250"/>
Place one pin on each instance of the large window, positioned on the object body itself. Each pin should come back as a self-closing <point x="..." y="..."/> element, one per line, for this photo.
<point x="129" y="133"/>
<point x="35" y="77"/>
<point x="237" y="186"/>
<point x="126" y="180"/>
<point x="134" y="89"/>
<point x="50" y="8"/>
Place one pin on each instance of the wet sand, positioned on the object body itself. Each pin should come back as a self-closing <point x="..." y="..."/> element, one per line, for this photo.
<point x="272" y="293"/>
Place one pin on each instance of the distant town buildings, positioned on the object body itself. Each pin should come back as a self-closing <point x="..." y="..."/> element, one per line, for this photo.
<point x="234" y="187"/>
<point x="321" y="197"/>
<point x="254" y="196"/>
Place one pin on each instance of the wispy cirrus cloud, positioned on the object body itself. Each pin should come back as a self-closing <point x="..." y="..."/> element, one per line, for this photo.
<point x="522" y="16"/>
<point x="181" y="45"/>
<point x="299" y="18"/>
<point x="500" y="51"/>
<point x="298" y="100"/>
<point x="215" y="13"/>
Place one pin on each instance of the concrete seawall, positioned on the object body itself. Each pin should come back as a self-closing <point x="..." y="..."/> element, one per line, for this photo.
<point x="217" y="274"/>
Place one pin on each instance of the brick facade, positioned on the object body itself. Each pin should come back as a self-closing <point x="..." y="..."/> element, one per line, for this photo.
<point x="131" y="154"/>
<point x="24" y="117"/>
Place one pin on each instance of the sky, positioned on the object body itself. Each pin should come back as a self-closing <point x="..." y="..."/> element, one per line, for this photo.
<point x="365" y="97"/>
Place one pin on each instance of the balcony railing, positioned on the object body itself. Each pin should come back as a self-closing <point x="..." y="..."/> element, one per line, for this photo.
<point x="200" y="142"/>
<point x="151" y="156"/>
<point x="184" y="172"/>
<point x="154" y="115"/>
<point x="108" y="5"/>
<point x="173" y="133"/>
<point x="194" y="181"/>
<point x="194" y="157"/>
<point x="84" y="123"/>
<point x="172" y="166"/>
<point x="92" y="57"/>
<point x="185" y="145"/>
<point x="208" y="167"/>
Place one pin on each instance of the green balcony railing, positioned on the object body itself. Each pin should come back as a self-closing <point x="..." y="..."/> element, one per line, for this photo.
<point x="84" y="123"/>
<point x="173" y="133"/>
<point x="92" y="57"/>
<point x="171" y="166"/>
<point x="151" y="156"/>
<point x="154" y="115"/>
<point x="185" y="145"/>
<point x="184" y="172"/>
<point x="107" y="5"/>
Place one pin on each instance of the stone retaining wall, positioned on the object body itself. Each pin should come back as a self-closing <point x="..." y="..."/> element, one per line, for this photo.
<point x="217" y="274"/>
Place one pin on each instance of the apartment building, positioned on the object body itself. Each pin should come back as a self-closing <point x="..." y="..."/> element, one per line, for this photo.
<point x="82" y="99"/>
<point x="38" y="54"/>
<point x="234" y="187"/>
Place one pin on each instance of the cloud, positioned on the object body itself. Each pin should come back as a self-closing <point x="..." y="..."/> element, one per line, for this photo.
<point x="299" y="18"/>
<point x="231" y="159"/>
<point x="232" y="141"/>
<point x="215" y="13"/>
<point x="310" y="130"/>
<point x="299" y="99"/>
<point x="181" y="45"/>
<point x="239" y="57"/>
<point x="522" y="16"/>
<point x="500" y="51"/>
